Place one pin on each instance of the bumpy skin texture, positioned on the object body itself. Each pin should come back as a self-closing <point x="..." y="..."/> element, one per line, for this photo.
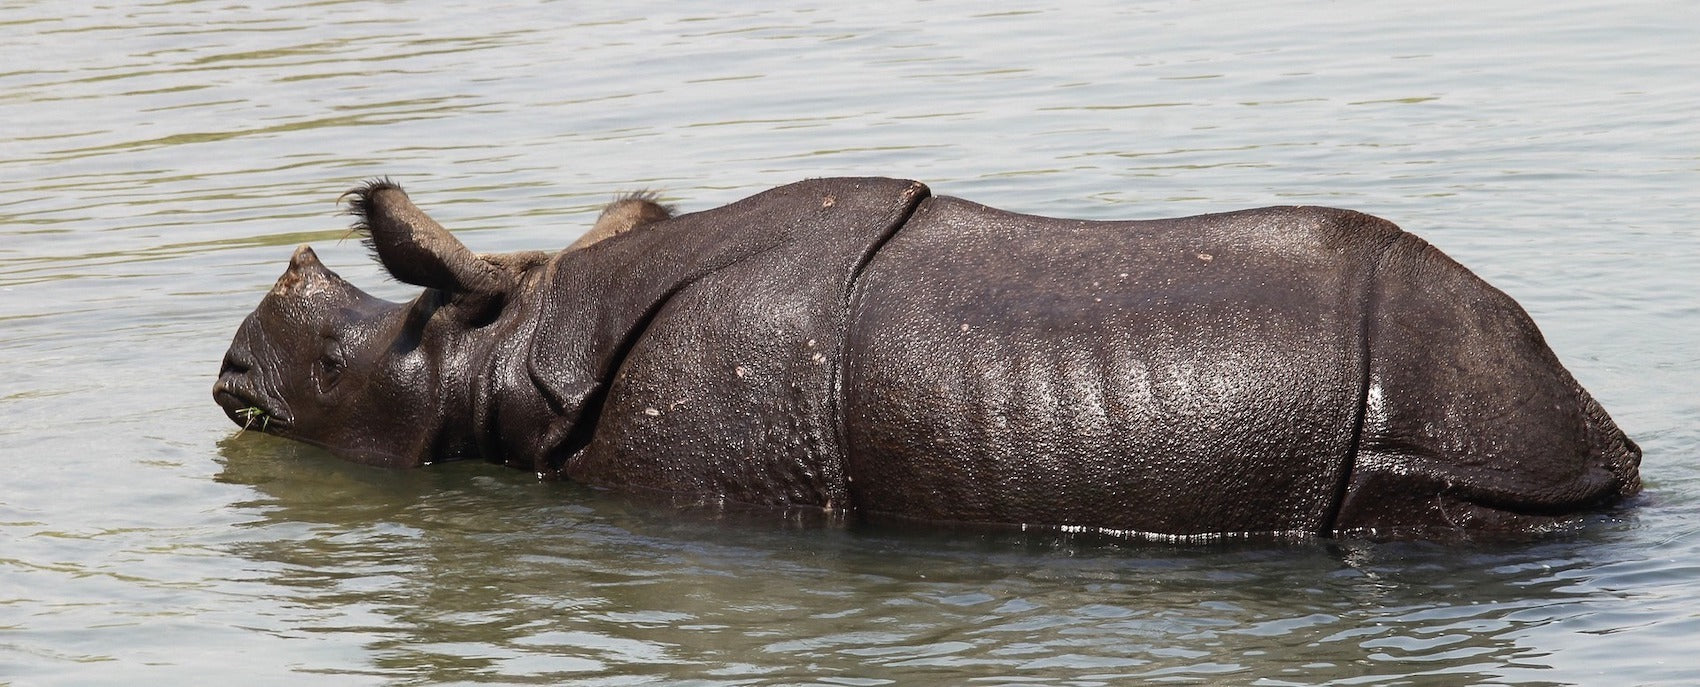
<point x="1146" y="376"/>
<point x="858" y="346"/>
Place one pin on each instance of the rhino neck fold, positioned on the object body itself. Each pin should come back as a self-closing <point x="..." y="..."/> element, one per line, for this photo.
<point x="500" y="394"/>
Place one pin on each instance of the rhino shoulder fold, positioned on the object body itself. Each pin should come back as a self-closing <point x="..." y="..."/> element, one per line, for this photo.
<point x="744" y="301"/>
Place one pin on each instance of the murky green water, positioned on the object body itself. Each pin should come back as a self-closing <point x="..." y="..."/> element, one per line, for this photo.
<point x="159" y="160"/>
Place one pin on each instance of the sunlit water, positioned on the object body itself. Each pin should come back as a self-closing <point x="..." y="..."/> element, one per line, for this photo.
<point x="158" y="162"/>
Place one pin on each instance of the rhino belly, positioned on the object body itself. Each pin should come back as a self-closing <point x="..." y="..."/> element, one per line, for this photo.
<point x="1199" y="375"/>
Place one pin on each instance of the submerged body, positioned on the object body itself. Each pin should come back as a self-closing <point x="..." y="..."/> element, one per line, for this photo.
<point x="861" y="346"/>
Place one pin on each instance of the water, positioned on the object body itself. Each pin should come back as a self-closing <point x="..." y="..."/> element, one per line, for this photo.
<point x="158" y="161"/>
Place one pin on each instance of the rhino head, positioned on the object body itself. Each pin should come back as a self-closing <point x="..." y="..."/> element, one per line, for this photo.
<point x="375" y="381"/>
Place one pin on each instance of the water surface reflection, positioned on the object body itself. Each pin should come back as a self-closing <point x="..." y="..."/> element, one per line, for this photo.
<point x="469" y="572"/>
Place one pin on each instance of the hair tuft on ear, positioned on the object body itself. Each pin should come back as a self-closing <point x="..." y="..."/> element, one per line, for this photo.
<point x="627" y="212"/>
<point x="359" y="205"/>
<point x="649" y="196"/>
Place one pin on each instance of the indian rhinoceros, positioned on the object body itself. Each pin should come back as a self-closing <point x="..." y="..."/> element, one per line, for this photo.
<point x="860" y="346"/>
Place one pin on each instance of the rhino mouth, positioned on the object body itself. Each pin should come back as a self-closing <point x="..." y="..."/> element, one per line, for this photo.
<point x="249" y="413"/>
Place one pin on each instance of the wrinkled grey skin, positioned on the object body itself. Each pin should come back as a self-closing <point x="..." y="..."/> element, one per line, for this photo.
<point x="858" y="346"/>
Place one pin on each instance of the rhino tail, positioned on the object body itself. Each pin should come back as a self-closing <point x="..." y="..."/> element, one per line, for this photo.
<point x="1618" y="454"/>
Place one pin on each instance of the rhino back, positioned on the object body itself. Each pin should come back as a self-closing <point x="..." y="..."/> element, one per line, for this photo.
<point x="1178" y="376"/>
<point x="712" y="370"/>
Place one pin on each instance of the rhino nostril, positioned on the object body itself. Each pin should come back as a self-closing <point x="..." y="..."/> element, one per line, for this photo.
<point x="233" y="365"/>
<point x="232" y="390"/>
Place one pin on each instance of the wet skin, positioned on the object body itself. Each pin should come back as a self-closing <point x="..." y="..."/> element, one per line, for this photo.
<point x="860" y="346"/>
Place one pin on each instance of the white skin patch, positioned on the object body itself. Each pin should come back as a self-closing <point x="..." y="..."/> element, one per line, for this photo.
<point x="1375" y="406"/>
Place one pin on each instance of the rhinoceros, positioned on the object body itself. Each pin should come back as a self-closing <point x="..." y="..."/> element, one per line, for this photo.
<point x="862" y="347"/>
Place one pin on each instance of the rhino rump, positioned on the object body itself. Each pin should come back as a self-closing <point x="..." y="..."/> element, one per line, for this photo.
<point x="1281" y="370"/>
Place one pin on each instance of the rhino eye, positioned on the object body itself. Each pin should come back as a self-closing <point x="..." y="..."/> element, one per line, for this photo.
<point x="331" y="365"/>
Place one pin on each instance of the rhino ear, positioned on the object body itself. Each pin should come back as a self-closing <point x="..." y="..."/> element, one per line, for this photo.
<point x="414" y="248"/>
<point x="626" y="213"/>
